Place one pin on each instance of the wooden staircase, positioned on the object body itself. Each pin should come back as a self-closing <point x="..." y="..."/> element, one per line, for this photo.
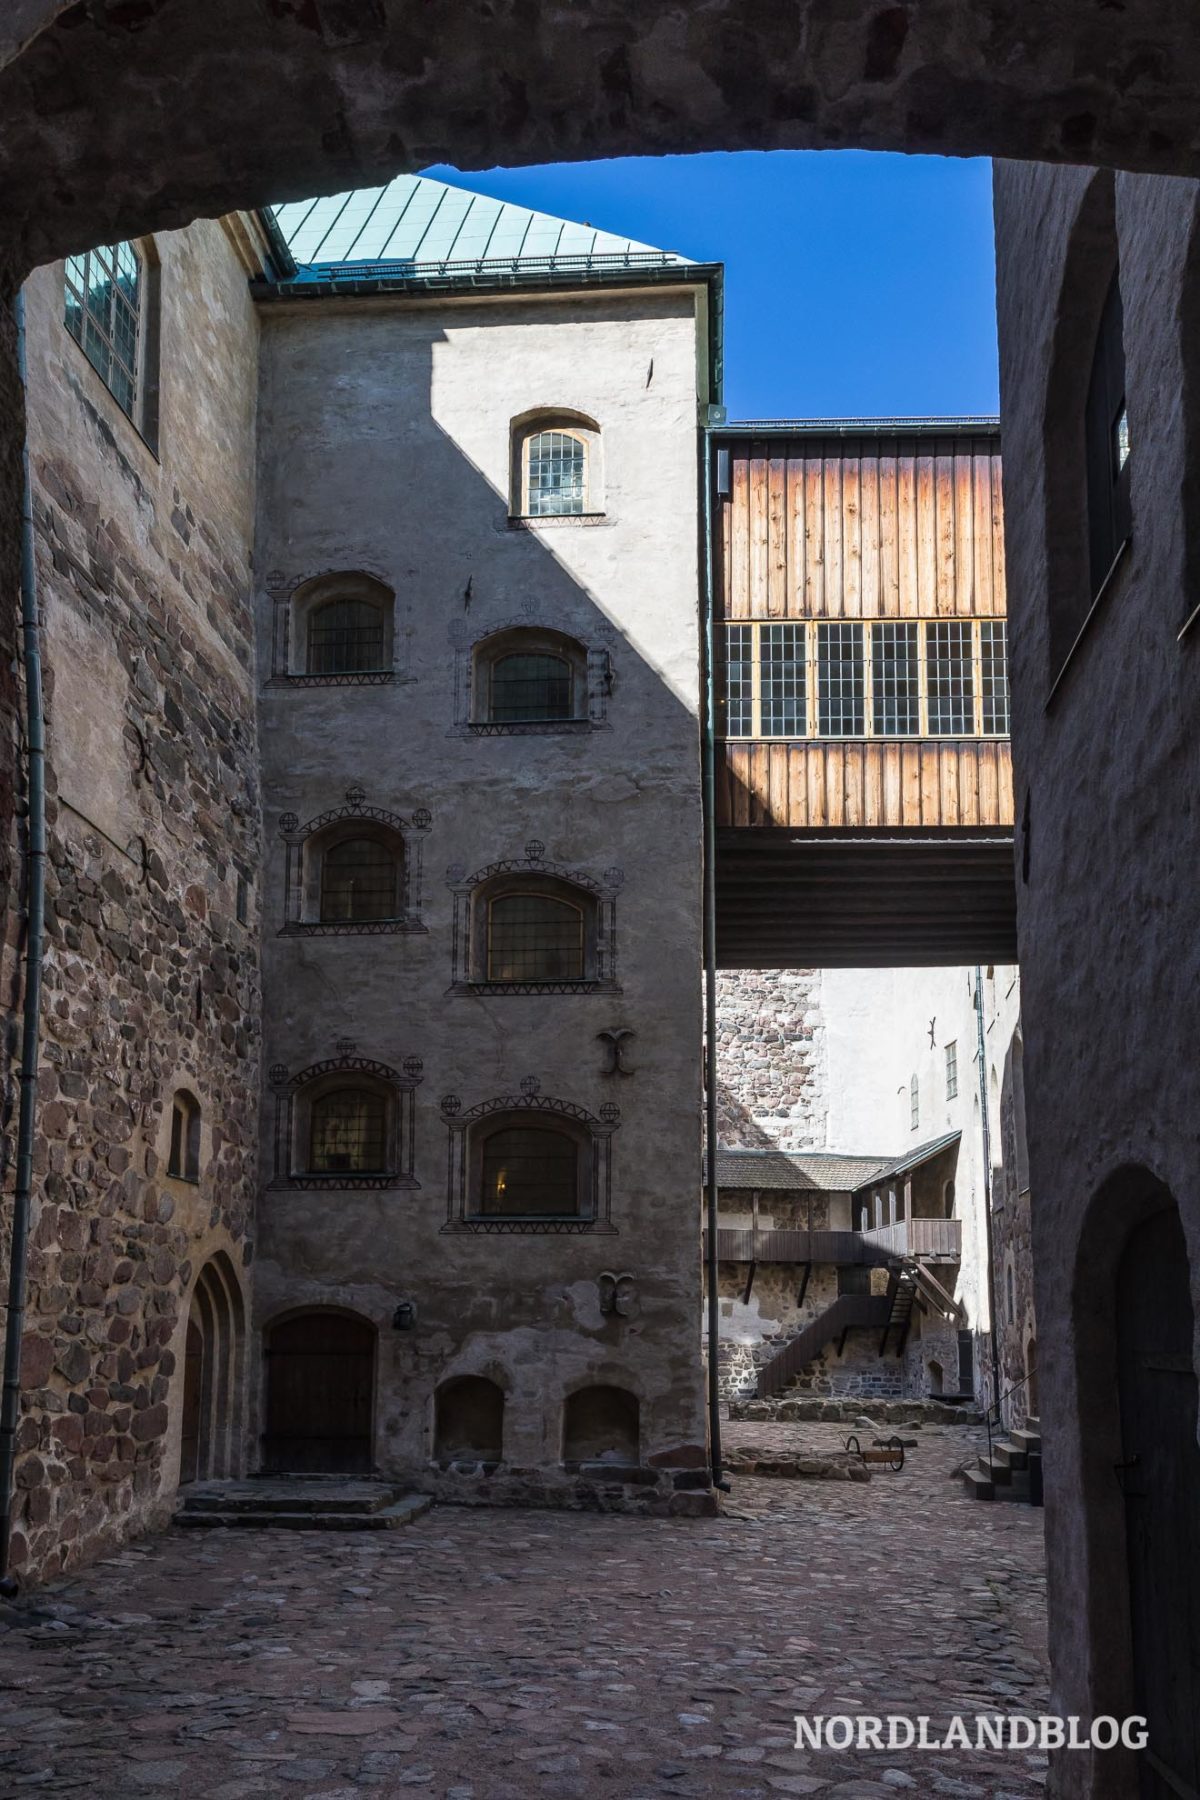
<point x="847" y="1312"/>
<point x="1014" y="1469"/>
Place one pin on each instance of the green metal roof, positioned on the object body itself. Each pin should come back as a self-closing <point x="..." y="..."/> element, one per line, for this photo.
<point x="415" y="225"/>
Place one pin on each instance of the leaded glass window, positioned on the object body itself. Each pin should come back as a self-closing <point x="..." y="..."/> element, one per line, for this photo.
<point x="993" y="676"/>
<point x="840" y="680"/>
<point x="739" y="681"/>
<point x="530" y="1170"/>
<point x="895" y="680"/>
<point x="349" y="1133"/>
<point x="527" y="687"/>
<point x="345" y="637"/>
<point x="103" y="298"/>
<point x="783" y="689"/>
<point x="951" y="678"/>
<point x="555" y="473"/>
<point x="534" y="937"/>
<point x="358" y="882"/>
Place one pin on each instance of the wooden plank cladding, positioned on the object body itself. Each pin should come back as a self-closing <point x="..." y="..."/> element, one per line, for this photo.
<point x="869" y="784"/>
<point x="861" y="525"/>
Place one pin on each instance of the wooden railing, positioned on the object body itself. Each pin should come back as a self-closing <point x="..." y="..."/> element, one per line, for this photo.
<point x="940" y="1239"/>
<point x="744" y="1245"/>
<point x="847" y="1311"/>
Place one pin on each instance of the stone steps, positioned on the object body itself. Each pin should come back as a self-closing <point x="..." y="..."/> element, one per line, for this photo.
<point x="1014" y="1470"/>
<point x="305" y="1504"/>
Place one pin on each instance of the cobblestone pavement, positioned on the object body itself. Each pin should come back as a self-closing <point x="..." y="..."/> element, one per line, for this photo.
<point x="490" y="1655"/>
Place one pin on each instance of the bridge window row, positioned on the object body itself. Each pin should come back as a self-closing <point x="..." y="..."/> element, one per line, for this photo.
<point x="852" y="678"/>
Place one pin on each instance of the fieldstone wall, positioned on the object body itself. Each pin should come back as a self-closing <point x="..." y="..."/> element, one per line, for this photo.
<point x="769" y="1059"/>
<point x="151" y="967"/>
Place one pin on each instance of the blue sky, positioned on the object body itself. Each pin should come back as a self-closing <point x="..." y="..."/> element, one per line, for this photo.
<point x="856" y="283"/>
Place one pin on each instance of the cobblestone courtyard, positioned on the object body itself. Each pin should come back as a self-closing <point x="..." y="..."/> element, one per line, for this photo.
<point x="489" y="1655"/>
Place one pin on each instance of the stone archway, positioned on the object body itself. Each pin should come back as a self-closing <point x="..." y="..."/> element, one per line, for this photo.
<point x="211" y="1434"/>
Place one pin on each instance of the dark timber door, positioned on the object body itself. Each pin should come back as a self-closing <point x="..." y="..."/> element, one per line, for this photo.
<point x="1161" y="1481"/>
<point x="320" y="1374"/>
<point x="193" y="1393"/>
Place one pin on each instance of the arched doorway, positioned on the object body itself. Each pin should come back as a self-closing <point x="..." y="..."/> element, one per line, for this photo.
<point x="320" y="1390"/>
<point x="1160" y="1479"/>
<point x="210" y="1436"/>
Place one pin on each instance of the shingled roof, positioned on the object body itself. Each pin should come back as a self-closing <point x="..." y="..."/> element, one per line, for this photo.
<point x="804" y="1170"/>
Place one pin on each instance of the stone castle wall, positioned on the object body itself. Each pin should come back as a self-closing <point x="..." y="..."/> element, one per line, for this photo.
<point x="151" y="968"/>
<point x="769" y="1049"/>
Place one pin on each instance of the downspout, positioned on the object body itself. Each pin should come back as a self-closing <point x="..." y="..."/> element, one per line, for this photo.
<point x="709" y="788"/>
<point x="987" y="1187"/>
<point x="10" y="1397"/>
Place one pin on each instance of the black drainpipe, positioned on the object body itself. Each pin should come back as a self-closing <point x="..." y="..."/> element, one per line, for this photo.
<point x="35" y="743"/>
<point x="709" y="783"/>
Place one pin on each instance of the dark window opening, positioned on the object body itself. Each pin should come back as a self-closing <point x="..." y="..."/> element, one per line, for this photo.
<point x="532" y="937"/>
<point x="358" y="882"/>
<point x="345" y="637"/>
<point x="1106" y="431"/>
<point x="183" y="1160"/>
<point x="530" y="1171"/>
<point x="527" y="687"/>
<point x="349" y="1133"/>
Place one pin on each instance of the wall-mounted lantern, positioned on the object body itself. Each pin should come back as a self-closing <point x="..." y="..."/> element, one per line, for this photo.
<point x="405" y="1316"/>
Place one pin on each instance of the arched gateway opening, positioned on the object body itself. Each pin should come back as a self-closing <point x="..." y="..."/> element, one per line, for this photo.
<point x="210" y="1442"/>
<point x="320" y="1373"/>
<point x="1160" y="1481"/>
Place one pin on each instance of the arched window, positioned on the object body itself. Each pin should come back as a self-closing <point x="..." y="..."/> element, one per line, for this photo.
<point x="183" y="1161"/>
<point x="534" y="936"/>
<point x="345" y="636"/>
<point x="348" y="1132"/>
<point x="555" y="470"/>
<point x="531" y="675"/>
<point x="359" y="881"/>
<point x="529" y="1171"/>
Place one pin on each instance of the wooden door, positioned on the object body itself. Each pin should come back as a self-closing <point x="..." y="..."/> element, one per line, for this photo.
<point x="1161" y="1482"/>
<point x="320" y="1377"/>
<point x="193" y="1398"/>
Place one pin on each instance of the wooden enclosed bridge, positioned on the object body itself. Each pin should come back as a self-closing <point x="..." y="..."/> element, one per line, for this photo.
<point x="864" y="778"/>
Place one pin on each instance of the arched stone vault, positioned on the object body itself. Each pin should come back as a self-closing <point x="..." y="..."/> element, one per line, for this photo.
<point x="123" y="116"/>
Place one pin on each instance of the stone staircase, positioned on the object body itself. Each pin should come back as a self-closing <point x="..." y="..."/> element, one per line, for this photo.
<point x="1014" y="1471"/>
<point x="299" y="1503"/>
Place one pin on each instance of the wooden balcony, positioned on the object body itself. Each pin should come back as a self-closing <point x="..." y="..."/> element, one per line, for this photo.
<point x="938" y="1240"/>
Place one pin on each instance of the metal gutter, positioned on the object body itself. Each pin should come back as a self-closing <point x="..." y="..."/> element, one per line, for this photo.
<point x="709" y="789"/>
<point x="478" y="279"/>
<point x="10" y="1397"/>
<point x="983" y="426"/>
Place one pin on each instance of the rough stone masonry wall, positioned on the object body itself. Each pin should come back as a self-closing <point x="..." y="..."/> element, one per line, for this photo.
<point x="769" y="1052"/>
<point x="150" y="978"/>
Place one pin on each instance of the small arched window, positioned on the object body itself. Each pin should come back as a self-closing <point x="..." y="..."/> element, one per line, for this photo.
<point x="183" y="1160"/>
<point x="555" y="473"/>
<point x="360" y="882"/>
<point x="534" y="936"/>
<point x="1106" y="431"/>
<point x="348" y="1132"/>
<point x="529" y="1171"/>
<point x="529" y="685"/>
<point x="345" y="637"/>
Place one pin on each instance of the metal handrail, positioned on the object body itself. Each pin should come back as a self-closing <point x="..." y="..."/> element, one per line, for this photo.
<point x="999" y="1402"/>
